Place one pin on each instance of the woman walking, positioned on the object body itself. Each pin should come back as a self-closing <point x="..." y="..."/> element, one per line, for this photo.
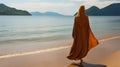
<point x="83" y="38"/>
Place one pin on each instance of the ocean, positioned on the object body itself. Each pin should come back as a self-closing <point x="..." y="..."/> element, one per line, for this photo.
<point x="29" y="33"/>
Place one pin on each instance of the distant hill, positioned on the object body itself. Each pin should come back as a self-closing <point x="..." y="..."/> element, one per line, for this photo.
<point x="5" y="10"/>
<point x="110" y="10"/>
<point x="46" y="14"/>
<point x="36" y="13"/>
<point x="93" y="11"/>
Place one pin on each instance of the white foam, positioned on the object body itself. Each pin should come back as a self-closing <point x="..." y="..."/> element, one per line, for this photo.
<point x="48" y="50"/>
<point x="32" y="52"/>
<point x="107" y="39"/>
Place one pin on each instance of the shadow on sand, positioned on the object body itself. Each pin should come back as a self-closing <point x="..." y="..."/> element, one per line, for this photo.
<point x="84" y="64"/>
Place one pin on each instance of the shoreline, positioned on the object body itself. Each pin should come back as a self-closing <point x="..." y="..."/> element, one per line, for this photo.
<point x="49" y="50"/>
<point x="105" y="54"/>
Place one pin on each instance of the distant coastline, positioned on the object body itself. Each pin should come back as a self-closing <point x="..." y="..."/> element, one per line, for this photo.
<point x="110" y="10"/>
<point x="46" y="14"/>
<point x="6" y="10"/>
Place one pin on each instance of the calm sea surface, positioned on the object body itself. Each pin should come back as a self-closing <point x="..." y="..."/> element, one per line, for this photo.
<point x="50" y="28"/>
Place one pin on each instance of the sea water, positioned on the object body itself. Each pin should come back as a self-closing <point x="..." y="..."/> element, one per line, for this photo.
<point x="27" y="33"/>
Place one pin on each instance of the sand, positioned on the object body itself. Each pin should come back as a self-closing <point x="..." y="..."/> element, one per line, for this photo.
<point x="113" y="60"/>
<point x="107" y="53"/>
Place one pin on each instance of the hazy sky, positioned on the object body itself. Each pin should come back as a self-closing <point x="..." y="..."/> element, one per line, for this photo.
<point x="67" y="7"/>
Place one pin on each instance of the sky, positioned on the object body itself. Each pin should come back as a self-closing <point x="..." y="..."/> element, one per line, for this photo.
<point x="66" y="7"/>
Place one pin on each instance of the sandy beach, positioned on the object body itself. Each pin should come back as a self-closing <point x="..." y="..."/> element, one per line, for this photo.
<point x="105" y="54"/>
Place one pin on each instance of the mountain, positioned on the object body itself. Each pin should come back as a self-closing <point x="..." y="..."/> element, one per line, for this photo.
<point x="93" y="11"/>
<point x="5" y="10"/>
<point x="113" y="9"/>
<point x="110" y="10"/>
<point x="46" y="14"/>
<point x="36" y="13"/>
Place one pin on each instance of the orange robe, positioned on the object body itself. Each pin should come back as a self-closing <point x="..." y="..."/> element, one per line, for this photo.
<point x="83" y="37"/>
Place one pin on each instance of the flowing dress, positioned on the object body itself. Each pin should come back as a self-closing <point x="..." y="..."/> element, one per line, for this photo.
<point x="83" y="38"/>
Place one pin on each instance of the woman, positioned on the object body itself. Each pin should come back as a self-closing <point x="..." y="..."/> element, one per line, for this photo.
<point x="83" y="37"/>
